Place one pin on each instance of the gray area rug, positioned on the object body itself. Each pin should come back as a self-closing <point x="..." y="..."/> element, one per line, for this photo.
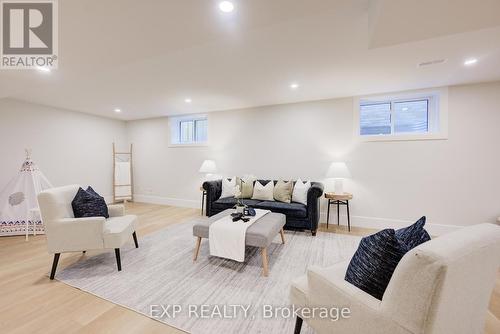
<point x="161" y="272"/>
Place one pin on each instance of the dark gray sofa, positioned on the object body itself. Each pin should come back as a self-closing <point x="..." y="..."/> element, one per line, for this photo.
<point x="298" y="216"/>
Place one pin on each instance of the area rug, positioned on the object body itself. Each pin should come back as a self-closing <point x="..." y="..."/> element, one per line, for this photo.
<point x="160" y="280"/>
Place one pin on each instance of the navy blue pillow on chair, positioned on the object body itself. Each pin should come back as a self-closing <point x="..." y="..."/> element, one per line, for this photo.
<point x="90" y="190"/>
<point x="374" y="262"/>
<point x="89" y="204"/>
<point x="413" y="235"/>
<point x="372" y="265"/>
<point x="104" y="207"/>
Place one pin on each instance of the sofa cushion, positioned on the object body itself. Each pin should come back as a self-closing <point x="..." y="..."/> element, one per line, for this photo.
<point x="229" y="202"/>
<point x="229" y="187"/>
<point x="283" y="191"/>
<point x="118" y="230"/>
<point x="300" y="191"/>
<point x="290" y="209"/>
<point x="246" y="186"/>
<point x="263" y="192"/>
<point x="374" y="262"/>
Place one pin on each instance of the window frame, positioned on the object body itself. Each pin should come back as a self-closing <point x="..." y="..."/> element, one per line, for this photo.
<point x="176" y="130"/>
<point x="437" y="115"/>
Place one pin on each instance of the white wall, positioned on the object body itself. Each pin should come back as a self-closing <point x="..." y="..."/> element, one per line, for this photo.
<point x="69" y="147"/>
<point x="455" y="182"/>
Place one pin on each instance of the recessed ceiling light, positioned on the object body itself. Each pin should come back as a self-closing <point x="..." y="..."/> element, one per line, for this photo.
<point x="118" y="110"/>
<point x="294" y="85"/>
<point x="188" y="100"/>
<point x="43" y="69"/>
<point x="470" y="62"/>
<point x="226" y="6"/>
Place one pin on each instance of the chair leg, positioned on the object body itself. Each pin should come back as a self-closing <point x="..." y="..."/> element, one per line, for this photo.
<point x="118" y="261"/>
<point x="54" y="265"/>
<point x="197" y="249"/>
<point x="298" y="325"/>
<point x="135" y="240"/>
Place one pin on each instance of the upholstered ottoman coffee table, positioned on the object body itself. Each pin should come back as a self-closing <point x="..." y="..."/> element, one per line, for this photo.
<point x="259" y="234"/>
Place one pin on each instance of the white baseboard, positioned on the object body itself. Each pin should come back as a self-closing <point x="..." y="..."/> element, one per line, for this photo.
<point x="382" y="223"/>
<point x="185" y="203"/>
<point x="358" y="221"/>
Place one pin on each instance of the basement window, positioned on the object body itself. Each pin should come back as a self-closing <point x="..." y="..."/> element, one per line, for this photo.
<point x="403" y="117"/>
<point x="189" y="130"/>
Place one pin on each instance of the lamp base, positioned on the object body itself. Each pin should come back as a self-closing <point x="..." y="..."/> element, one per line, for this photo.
<point x="339" y="187"/>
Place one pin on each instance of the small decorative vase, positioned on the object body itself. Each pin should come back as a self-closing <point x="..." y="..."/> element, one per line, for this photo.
<point x="240" y="208"/>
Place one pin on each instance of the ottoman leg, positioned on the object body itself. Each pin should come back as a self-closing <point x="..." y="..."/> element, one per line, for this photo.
<point x="265" y="263"/>
<point x="197" y="248"/>
<point x="282" y="233"/>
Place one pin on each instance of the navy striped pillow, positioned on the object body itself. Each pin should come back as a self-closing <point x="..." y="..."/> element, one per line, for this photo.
<point x="372" y="265"/>
<point x="413" y="235"/>
<point x="377" y="256"/>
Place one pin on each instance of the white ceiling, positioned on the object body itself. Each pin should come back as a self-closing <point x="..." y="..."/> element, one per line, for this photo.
<point x="146" y="57"/>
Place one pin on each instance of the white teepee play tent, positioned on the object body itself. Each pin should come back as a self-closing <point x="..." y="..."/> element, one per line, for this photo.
<point x="18" y="200"/>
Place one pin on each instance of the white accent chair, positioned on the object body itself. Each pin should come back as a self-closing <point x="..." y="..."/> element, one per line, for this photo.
<point x="442" y="286"/>
<point x="65" y="233"/>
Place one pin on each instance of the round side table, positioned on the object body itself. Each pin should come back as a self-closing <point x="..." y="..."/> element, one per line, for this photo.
<point x="338" y="199"/>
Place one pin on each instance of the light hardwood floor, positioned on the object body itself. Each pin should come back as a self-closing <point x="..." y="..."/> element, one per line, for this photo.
<point x="31" y="303"/>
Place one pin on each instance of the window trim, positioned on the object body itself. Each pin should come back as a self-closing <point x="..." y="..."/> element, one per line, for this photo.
<point x="437" y="114"/>
<point x="175" y="130"/>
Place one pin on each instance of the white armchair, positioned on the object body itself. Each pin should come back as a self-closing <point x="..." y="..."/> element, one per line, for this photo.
<point x="65" y="233"/>
<point x="442" y="286"/>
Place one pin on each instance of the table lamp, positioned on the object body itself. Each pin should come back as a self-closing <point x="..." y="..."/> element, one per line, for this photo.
<point x="338" y="171"/>
<point x="209" y="168"/>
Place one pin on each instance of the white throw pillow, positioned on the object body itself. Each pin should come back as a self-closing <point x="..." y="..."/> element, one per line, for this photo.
<point x="264" y="193"/>
<point x="229" y="187"/>
<point x="300" y="190"/>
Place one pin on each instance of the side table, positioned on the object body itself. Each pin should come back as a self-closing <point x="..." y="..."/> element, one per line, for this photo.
<point x="338" y="199"/>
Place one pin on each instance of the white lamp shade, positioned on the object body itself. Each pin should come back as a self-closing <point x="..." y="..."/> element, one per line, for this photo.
<point x="208" y="167"/>
<point x="338" y="170"/>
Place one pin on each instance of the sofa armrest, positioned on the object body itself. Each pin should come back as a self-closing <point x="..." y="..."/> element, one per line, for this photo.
<point x="75" y="234"/>
<point x="313" y="199"/>
<point x="116" y="210"/>
<point x="214" y="191"/>
<point x="315" y="192"/>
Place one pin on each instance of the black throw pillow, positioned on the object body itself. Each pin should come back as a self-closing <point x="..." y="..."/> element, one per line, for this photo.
<point x="91" y="191"/>
<point x="372" y="265"/>
<point x="374" y="262"/>
<point x="89" y="204"/>
<point x="413" y="235"/>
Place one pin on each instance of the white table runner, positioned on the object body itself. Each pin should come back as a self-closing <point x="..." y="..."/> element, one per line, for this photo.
<point x="227" y="238"/>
